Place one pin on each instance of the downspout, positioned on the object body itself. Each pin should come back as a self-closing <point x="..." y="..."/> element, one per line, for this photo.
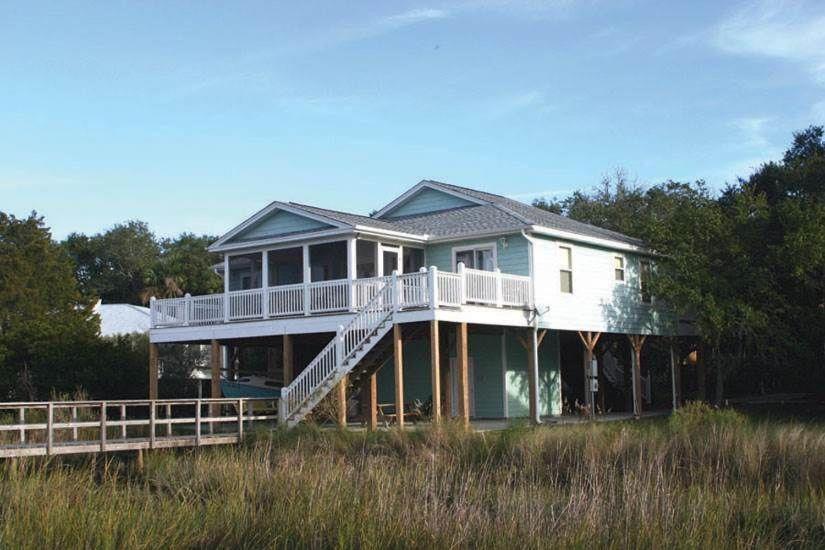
<point x="531" y="267"/>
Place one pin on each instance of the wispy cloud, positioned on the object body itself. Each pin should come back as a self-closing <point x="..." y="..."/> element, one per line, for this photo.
<point x="793" y="31"/>
<point x="752" y="131"/>
<point x="534" y="101"/>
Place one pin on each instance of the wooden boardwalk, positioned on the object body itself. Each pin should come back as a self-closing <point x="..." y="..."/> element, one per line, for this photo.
<point x="75" y="427"/>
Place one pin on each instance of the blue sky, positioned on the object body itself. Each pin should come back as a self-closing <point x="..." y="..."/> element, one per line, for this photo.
<point x="193" y="115"/>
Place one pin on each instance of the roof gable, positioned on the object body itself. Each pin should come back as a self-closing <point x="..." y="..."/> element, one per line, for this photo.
<point x="278" y="223"/>
<point x="426" y="198"/>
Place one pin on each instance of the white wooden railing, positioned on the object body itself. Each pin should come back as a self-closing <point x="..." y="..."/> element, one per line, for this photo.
<point x="331" y="361"/>
<point x="425" y="288"/>
<point x="71" y="427"/>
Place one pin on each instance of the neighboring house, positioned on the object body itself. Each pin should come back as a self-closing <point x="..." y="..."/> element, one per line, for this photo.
<point x="415" y="275"/>
<point x="122" y="319"/>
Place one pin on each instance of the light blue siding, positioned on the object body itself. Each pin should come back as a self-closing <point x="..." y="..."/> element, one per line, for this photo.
<point x="518" y="401"/>
<point x="512" y="253"/>
<point x="485" y="351"/>
<point x="427" y="200"/>
<point x="416" y="374"/>
<point x="488" y="381"/>
<point x="278" y="223"/>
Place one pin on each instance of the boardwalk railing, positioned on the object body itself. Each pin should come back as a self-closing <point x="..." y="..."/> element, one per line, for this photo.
<point x="73" y="427"/>
<point x="425" y="288"/>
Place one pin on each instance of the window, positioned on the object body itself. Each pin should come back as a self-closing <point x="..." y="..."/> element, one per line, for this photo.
<point x="618" y="269"/>
<point x="566" y="269"/>
<point x="481" y="257"/>
<point x="644" y="281"/>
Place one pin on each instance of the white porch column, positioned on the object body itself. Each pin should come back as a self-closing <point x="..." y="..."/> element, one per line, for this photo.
<point x="226" y="288"/>
<point x="352" y="271"/>
<point x="307" y="279"/>
<point x="265" y="284"/>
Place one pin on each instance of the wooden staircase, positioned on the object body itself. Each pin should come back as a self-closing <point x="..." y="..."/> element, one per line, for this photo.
<point x="346" y="350"/>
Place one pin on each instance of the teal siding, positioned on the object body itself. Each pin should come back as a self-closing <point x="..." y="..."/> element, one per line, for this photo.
<point x="279" y="223"/>
<point x="416" y="374"/>
<point x="488" y="383"/>
<point x="427" y="200"/>
<point x="518" y="403"/>
<point x="485" y="351"/>
<point x="513" y="258"/>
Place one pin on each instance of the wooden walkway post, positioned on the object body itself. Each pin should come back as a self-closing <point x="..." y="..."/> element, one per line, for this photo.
<point x="372" y="402"/>
<point x="342" y="402"/>
<point x="636" y="343"/>
<point x="215" y="374"/>
<point x="398" y="359"/>
<point x="589" y="339"/>
<point x="463" y="378"/>
<point x="435" y="362"/>
<point x="153" y="371"/>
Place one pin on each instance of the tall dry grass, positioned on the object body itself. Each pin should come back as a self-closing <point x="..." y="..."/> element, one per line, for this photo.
<point x="701" y="480"/>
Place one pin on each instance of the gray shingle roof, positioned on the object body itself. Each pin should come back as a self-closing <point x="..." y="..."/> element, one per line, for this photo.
<point x="499" y="213"/>
<point x="537" y="216"/>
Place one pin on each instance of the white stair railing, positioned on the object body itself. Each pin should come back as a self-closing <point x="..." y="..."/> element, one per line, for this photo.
<point x="331" y="362"/>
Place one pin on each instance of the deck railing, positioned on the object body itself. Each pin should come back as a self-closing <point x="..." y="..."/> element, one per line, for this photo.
<point x="71" y="427"/>
<point x="425" y="288"/>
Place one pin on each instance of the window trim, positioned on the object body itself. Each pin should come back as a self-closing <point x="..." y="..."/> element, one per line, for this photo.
<point x="569" y="269"/>
<point x="480" y="246"/>
<point x="623" y="269"/>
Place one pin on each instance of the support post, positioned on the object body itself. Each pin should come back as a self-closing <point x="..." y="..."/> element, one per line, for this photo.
<point x="215" y="363"/>
<point x="589" y="339"/>
<point x="398" y="357"/>
<point x="49" y="427"/>
<point x="102" y="426"/>
<point x="288" y="358"/>
<point x="352" y="271"/>
<point x="152" y="420"/>
<point x="636" y="343"/>
<point x="372" y="402"/>
<point x="675" y="376"/>
<point x="463" y="379"/>
<point x="307" y="271"/>
<point x="701" y="381"/>
<point x="153" y="371"/>
<point x="533" y="376"/>
<point x="435" y="362"/>
<point x="342" y="402"/>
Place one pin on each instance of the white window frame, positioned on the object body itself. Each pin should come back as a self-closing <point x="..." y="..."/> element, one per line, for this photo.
<point x="571" y="269"/>
<point x="623" y="280"/>
<point x="474" y="247"/>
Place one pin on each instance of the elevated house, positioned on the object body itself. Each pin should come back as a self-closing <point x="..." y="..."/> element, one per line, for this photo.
<point x="446" y="294"/>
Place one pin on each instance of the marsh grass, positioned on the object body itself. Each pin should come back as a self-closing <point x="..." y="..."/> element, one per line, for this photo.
<point x="697" y="480"/>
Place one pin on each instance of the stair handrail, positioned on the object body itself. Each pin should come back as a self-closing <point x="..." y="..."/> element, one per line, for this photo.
<point x="348" y="339"/>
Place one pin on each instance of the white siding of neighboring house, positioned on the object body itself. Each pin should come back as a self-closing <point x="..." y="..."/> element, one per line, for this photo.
<point x="598" y="302"/>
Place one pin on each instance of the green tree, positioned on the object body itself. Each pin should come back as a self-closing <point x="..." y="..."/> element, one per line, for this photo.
<point x="116" y="265"/>
<point x="46" y="328"/>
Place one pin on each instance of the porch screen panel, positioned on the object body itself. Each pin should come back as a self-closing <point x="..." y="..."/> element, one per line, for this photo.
<point x="245" y="271"/>
<point x="328" y="261"/>
<point x="285" y="266"/>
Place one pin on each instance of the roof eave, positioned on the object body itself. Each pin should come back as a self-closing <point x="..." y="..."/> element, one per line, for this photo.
<point x="597" y="241"/>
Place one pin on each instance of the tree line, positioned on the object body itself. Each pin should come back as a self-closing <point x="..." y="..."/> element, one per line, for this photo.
<point x="746" y="263"/>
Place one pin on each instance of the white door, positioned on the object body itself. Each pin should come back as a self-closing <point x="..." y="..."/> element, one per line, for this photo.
<point x="454" y="386"/>
<point x="389" y="260"/>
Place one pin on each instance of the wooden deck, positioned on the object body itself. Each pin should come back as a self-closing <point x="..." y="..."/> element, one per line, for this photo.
<point x="77" y="427"/>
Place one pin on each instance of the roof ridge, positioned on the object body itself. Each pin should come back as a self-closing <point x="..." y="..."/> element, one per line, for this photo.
<point x="302" y="205"/>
